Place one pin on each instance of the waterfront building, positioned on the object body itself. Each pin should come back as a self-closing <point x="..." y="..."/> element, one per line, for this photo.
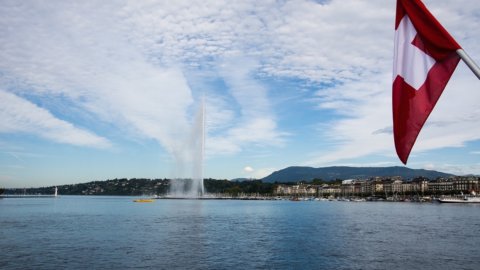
<point x="382" y="186"/>
<point x="297" y="190"/>
<point x="387" y="186"/>
<point x="328" y="190"/>
<point x="465" y="184"/>
<point x="440" y="186"/>
<point x="283" y="190"/>
<point x="397" y="185"/>
<point x="347" y="187"/>
<point x="392" y="186"/>
<point x="365" y="187"/>
<point x="419" y="185"/>
<point x="377" y="185"/>
<point x="352" y="187"/>
<point x="357" y="187"/>
<point x="407" y="187"/>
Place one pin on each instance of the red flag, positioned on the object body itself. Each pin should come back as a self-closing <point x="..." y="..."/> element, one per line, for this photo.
<point x="425" y="58"/>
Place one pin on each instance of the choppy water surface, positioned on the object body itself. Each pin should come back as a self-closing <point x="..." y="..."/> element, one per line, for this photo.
<point x="114" y="232"/>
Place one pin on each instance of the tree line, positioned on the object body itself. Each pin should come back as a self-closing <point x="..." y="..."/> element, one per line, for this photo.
<point x="143" y="186"/>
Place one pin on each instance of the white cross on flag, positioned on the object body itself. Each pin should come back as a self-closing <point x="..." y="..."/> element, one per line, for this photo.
<point x="425" y="58"/>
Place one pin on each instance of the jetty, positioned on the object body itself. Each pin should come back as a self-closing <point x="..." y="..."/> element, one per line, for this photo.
<point x="16" y="196"/>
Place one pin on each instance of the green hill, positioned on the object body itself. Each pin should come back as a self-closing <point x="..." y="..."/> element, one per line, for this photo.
<point x="294" y="174"/>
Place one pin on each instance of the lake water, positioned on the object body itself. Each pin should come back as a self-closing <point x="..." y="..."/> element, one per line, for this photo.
<point x="71" y="232"/>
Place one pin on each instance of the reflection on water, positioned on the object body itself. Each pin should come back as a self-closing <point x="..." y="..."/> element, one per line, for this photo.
<point x="113" y="232"/>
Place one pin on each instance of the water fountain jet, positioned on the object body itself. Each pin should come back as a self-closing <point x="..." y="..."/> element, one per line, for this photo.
<point x="191" y="158"/>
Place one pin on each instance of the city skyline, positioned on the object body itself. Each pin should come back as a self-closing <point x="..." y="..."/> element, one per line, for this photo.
<point x="92" y="90"/>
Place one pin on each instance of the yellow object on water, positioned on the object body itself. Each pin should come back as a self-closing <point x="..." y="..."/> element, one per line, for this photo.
<point x="143" y="200"/>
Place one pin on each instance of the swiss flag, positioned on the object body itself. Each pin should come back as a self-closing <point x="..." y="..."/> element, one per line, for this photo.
<point x="425" y="58"/>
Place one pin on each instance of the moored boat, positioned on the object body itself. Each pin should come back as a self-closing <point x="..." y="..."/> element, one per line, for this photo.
<point x="461" y="199"/>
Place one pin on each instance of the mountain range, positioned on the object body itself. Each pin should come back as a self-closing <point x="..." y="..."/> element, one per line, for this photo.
<point x="296" y="173"/>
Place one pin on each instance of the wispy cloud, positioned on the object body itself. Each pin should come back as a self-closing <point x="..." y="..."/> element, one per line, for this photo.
<point x="129" y="64"/>
<point x="364" y="103"/>
<point x="126" y="72"/>
<point x="19" y="115"/>
<point x="255" y="121"/>
<point x="78" y="52"/>
<point x="456" y="169"/>
<point x="250" y="172"/>
<point x="365" y="110"/>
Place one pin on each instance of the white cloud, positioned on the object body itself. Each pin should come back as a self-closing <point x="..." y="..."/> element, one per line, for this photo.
<point x="364" y="129"/>
<point x="76" y="51"/>
<point x="219" y="114"/>
<point x="333" y="41"/>
<point x="20" y="115"/>
<point x="248" y="169"/>
<point x="263" y="172"/>
<point x="255" y="122"/>
<point x="257" y="173"/>
<point x="128" y="63"/>
<point x="456" y="169"/>
<point x="365" y="107"/>
<point x="364" y="104"/>
<point x="123" y="62"/>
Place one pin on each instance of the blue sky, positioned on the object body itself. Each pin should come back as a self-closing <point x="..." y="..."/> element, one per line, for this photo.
<point x="94" y="90"/>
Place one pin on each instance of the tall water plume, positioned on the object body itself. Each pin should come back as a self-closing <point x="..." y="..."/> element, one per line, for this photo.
<point x="189" y="160"/>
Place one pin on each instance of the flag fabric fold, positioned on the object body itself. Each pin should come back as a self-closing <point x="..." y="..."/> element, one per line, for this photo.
<point x="425" y="59"/>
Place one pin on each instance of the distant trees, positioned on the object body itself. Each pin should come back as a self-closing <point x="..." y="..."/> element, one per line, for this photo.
<point x="235" y="188"/>
<point x="142" y="186"/>
<point x="318" y="181"/>
<point x="134" y="186"/>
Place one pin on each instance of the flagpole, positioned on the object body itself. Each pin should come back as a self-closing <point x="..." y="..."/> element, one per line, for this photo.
<point x="469" y="61"/>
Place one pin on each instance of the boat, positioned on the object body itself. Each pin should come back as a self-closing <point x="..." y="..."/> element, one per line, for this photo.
<point x="143" y="200"/>
<point x="461" y="199"/>
<point x="471" y="198"/>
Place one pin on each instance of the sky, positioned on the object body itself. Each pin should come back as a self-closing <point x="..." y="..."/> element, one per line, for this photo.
<point x="96" y="90"/>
